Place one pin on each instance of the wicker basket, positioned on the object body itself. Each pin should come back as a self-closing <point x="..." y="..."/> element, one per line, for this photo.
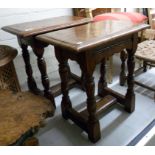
<point x="8" y="77"/>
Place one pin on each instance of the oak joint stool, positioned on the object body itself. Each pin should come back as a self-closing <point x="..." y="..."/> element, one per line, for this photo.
<point x="26" y="33"/>
<point x="89" y="45"/>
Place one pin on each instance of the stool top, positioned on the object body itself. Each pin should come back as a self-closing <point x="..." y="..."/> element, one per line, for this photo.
<point x="7" y="54"/>
<point x="90" y="35"/>
<point x="41" y="26"/>
<point x="20" y="113"/>
<point x="146" y="51"/>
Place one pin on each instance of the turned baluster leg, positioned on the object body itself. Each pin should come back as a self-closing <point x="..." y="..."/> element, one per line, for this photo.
<point x="82" y="79"/>
<point x="122" y="78"/>
<point x="39" y="51"/>
<point x="64" y="72"/>
<point x="109" y="74"/>
<point x="94" y="133"/>
<point x="102" y="81"/>
<point x="30" y="80"/>
<point x="93" y="123"/>
<point x="130" y="95"/>
<point x="144" y="66"/>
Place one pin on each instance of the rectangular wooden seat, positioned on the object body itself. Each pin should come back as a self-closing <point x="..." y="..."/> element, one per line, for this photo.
<point x="32" y="28"/>
<point x="90" y="36"/>
<point x="21" y="114"/>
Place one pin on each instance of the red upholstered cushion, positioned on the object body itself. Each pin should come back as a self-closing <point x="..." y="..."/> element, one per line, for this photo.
<point x="132" y="16"/>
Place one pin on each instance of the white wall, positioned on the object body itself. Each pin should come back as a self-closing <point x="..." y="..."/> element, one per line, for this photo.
<point x="131" y="9"/>
<point x="13" y="16"/>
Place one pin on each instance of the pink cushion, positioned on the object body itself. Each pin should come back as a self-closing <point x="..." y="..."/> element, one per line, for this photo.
<point x="134" y="17"/>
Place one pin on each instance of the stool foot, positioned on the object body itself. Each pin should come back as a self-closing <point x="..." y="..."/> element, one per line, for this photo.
<point x="130" y="105"/>
<point x="122" y="80"/>
<point x="31" y="141"/>
<point x="94" y="133"/>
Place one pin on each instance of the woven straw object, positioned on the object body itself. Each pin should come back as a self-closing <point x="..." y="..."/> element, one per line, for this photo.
<point x="20" y="113"/>
<point x="146" y="51"/>
<point x="8" y="77"/>
<point x="149" y="34"/>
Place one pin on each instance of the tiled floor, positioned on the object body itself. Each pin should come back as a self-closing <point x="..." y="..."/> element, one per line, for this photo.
<point x="118" y="127"/>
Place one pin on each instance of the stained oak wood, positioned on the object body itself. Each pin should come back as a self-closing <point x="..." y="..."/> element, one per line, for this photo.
<point x="90" y="35"/>
<point x="45" y="25"/>
<point x="89" y="45"/>
<point x="102" y="105"/>
<point x="73" y="82"/>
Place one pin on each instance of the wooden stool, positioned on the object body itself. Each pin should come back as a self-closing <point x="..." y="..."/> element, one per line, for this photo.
<point x="21" y="115"/>
<point x="25" y="33"/>
<point x="8" y="77"/>
<point x="89" y="45"/>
